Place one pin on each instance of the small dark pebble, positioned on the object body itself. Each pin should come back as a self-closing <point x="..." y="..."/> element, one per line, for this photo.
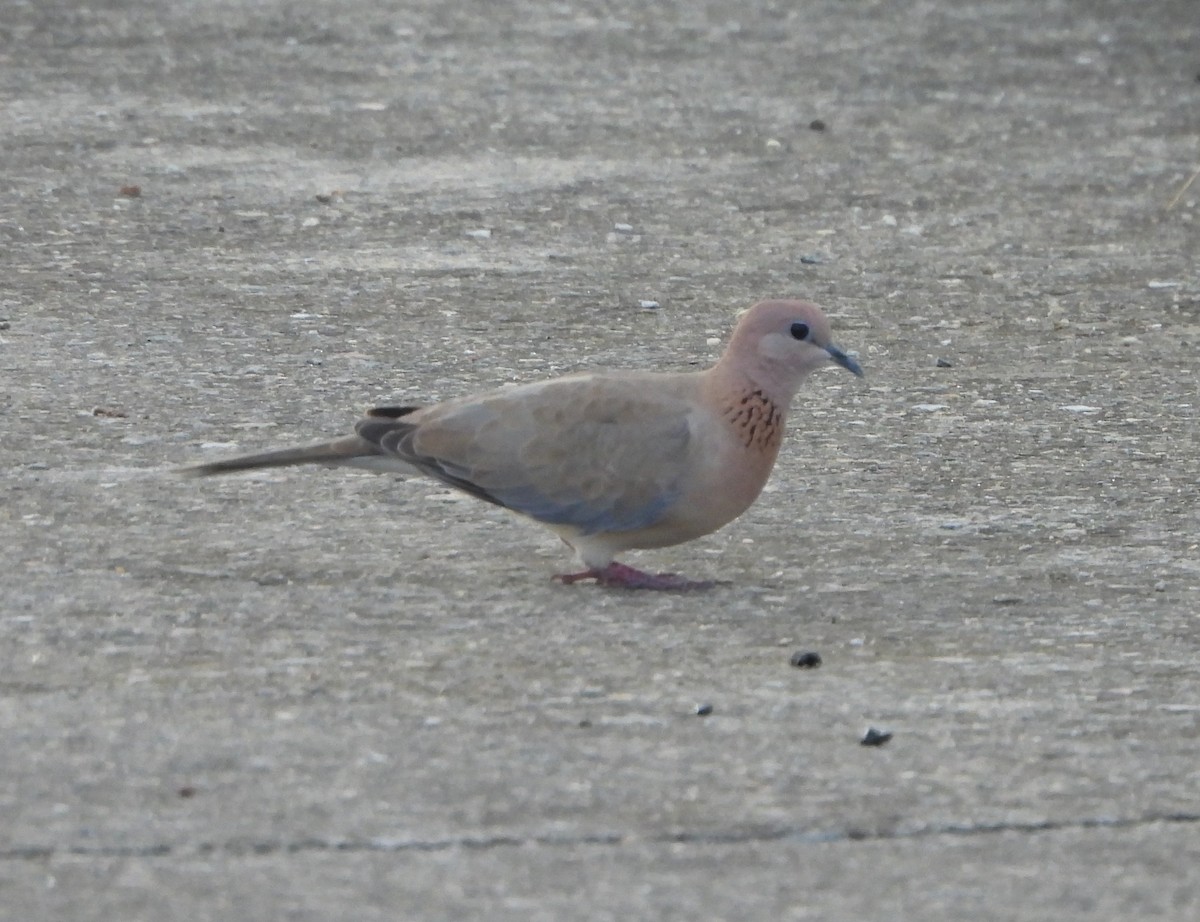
<point x="187" y="791"/>
<point x="585" y="723"/>
<point x="131" y="191"/>
<point x="875" y="737"/>
<point x="816" y="125"/>
<point x="704" y="710"/>
<point x="806" y="659"/>
<point x="944" y="363"/>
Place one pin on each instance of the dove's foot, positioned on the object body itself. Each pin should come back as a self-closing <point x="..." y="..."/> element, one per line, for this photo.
<point x="622" y="576"/>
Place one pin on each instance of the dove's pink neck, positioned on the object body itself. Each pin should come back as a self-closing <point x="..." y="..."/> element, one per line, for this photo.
<point x="733" y="377"/>
<point x="751" y="408"/>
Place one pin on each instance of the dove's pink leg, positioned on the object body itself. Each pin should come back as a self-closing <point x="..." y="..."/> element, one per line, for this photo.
<point x="622" y="576"/>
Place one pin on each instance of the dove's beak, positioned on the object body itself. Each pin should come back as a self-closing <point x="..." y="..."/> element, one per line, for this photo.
<point x="844" y="360"/>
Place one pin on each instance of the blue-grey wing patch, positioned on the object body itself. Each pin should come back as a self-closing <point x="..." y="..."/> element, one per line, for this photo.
<point x="590" y="515"/>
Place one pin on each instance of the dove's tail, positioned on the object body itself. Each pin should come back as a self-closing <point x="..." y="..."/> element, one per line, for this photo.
<point x="351" y="451"/>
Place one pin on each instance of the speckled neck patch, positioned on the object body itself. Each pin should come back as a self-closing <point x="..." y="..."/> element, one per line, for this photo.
<point x="757" y="420"/>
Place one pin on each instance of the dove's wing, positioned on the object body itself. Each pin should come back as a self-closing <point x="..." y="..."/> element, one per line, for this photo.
<point x="599" y="453"/>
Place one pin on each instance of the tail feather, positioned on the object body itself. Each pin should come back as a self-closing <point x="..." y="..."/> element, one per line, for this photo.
<point x="342" y="451"/>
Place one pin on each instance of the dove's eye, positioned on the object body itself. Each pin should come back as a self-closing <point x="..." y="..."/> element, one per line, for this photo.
<point x="799" y="330"/>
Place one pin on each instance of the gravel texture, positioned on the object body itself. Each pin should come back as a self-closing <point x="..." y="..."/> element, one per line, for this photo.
<point x="315" y="695"/>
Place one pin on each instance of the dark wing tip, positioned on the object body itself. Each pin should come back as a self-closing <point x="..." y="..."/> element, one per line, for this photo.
<point x="391" y="412"/>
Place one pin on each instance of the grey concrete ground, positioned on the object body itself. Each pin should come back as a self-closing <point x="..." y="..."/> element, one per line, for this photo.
<point x="319" y="695"/>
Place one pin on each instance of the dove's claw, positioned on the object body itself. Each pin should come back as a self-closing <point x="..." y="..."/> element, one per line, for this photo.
<point x="622" y="576"/>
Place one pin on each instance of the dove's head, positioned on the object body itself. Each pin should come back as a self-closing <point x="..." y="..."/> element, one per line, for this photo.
<point x="779" y="343"/>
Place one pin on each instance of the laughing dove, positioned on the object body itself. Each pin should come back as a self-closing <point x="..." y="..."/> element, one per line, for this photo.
<point x="608" y="461"/>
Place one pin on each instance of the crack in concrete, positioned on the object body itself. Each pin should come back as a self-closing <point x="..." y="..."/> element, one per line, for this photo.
<point x="385" y="845"/>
